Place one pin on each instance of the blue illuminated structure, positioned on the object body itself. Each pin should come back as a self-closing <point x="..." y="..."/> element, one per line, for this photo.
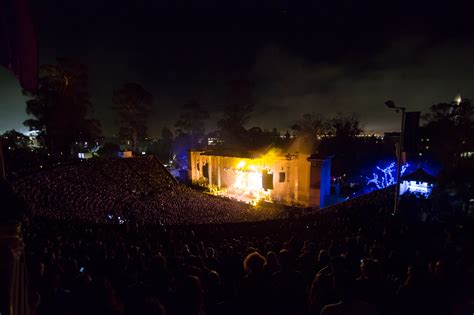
<point x="386" y="176"/>
<point x="418" y="182"/>
<point x="382" y="174"/>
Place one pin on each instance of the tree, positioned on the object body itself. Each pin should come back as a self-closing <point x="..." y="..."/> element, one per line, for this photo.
<point x="191" y="122"/>
<point x="310" y="124"/>
<point x="109" y="150"/>
<point x="166" y="135"/>
<point x="133" y="105"/>
<point x="307" y="129"/>
<point x="237" y="113"/>
<point x="232" y="124"/>
<point x="14" y="139"/>
<point x="162" y="147"/>
<point x="450" y="128"/>
<point x="236" y="116"/>
<point x="343" y="143"/>
<point x="258" y="138"/>
<point x="344" y="127"/>
<point x="19" y="153"/>
<point x="61" y="106"/>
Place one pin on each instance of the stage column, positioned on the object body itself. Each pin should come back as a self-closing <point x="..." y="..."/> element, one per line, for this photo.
<point x="219" y="161"/>
<point x="210" y="169"/>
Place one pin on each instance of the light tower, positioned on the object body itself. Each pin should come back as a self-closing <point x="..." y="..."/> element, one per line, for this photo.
<point x="458" y="99"/>
<point x="391" y="104"/>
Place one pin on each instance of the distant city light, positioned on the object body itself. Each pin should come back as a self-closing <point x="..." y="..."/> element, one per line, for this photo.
<point x="458" y="99"/>
<point x="213" y="141"/>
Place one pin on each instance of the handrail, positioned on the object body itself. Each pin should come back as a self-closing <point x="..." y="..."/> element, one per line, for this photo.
<point x="14" y="284"/>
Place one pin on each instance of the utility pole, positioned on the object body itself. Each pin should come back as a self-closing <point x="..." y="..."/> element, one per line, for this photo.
<point x="391" y="104"/>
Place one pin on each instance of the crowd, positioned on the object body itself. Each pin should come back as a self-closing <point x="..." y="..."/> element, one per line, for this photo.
<point x="355" y="259"/>
<point x="138" y="190"/>
<point x="113" y="237"/>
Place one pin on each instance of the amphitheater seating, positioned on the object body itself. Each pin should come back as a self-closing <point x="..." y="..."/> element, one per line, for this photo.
<point x="121" y="190"/>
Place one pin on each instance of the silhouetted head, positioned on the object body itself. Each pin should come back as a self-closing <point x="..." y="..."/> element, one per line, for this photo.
<point x="286" y="259"/>
<point x="254" y="263"/>
<point x="191" y="293"/>
<point x="214" y="280"/>
<point x="338" y="264"/>
<point x="272" y="259"/>
<point x="310" y="247"/>
<point x="210" y="252"/>
<point x="268" y="246"/>
<point x="323" y="257"/>
<point x="369" y="268"/>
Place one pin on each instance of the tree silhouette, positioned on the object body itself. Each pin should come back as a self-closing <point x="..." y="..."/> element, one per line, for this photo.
<point x="166" y="135"/>
<point x="191" y="122"/>
<point x="61" y="106"/>
<point x="14" y="139"/>
<point x="343" y="143"/>
<point x="237" y="113"/>
<point x="162" y="147"/>
<point x="109" y="150"/>
<point x="232" y="124"/>
<point x="307" y="128"/>
<point x="450" y="128"/>
<point x="344" y="127"/>
<point x="133" y="105"/>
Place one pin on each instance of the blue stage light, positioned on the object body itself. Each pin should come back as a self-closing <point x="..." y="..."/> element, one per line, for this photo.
<point x="386" y="176"/>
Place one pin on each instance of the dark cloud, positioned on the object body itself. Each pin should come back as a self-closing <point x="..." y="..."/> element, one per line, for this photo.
<point x="411" y="71"/>
<point x="337" y="56"/>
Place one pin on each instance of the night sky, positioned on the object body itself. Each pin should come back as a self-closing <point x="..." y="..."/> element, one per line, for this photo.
<point x="320" y="56"/>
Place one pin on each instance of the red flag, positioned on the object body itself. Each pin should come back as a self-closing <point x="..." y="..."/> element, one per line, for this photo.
<point x="18" y="43"/>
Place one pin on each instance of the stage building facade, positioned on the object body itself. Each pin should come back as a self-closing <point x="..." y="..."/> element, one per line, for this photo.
<point x="287" y="178"/>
